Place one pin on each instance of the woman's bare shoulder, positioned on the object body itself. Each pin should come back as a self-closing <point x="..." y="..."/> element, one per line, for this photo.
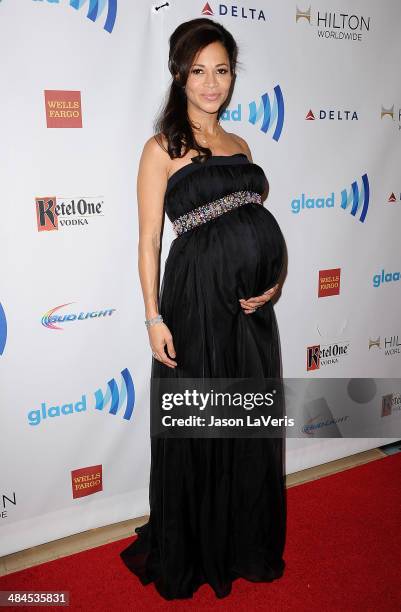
<point x="242" y="144"/>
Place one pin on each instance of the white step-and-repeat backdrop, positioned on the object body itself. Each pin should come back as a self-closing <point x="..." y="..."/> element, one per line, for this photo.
<point x="318" y="100"/>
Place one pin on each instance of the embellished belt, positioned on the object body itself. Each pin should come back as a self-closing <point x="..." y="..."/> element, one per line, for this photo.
<point x="214" y="209"/>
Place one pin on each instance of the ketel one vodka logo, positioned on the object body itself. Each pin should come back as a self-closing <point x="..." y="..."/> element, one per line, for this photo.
<point x="114" y="401"/>
<point x="390" y="403"/>
<point x="95" y="10"/>
<point x="267" y="113"/>
<point x="52" y="318"/>
<point x="53" y="213"/>
<point x="318" y="355"/>
<point x="390" y="344"/>
<point x="334" y="25"/>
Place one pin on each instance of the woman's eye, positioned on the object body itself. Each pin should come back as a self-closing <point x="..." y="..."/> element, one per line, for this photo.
<point x="220" y="70"/>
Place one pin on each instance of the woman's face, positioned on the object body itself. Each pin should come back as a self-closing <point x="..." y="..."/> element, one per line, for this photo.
<point x="209" y="78"/>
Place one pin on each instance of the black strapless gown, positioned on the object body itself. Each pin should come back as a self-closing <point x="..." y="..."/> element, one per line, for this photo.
<point x="217" y="505"/>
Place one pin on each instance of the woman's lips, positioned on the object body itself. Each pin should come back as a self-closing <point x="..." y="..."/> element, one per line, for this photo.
<point x="211" y="97"/>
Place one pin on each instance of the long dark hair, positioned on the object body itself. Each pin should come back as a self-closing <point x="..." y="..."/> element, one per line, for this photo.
<point x="185" y="42"/>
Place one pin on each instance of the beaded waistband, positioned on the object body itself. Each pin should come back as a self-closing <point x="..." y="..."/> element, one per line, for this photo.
<point x="214" y="209"/>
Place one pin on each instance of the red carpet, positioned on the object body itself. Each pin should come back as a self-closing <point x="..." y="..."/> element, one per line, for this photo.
<point x="342" y="554"/>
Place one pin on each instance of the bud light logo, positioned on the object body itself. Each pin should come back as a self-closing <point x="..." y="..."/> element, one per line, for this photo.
<point x="50" y="318"/>
<point x="95" y="10"/>
<point x="114" y="401"/>
<point x="268" y="113"/>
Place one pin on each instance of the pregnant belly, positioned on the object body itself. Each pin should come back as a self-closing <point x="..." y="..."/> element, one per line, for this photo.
<point x="237" y="255"/>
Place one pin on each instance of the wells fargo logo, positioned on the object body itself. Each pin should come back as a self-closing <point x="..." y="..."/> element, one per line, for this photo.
<point x="329" y="282"/>
<point x="63" y="109"/>
<point x="86" y="481"/>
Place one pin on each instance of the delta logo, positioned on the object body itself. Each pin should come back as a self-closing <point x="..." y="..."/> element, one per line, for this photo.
<point x="391" y="345"/>
<point x="52" y="317"/>
<point x="390" y="403"/>
<point x="86" y="481"/>
<point x="333" y="25"/>
<point x="54" y="213"/>
<point x="115" y="401"/>
<point x="63" y="108"/>
<point x="393" y="199"/>
<point x="320" y="356"/>
<point x="233" y="10"/>
<point x="97" y="10"/>
<point x="391" y="114"/>
<point x="355" y="201"/>
<point x="329" y="282"/>
<point x="332" y="115"/>
<point x="267" y="112"/>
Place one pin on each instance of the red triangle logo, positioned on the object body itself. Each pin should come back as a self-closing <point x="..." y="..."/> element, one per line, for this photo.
<point x="310" y="116"/>
<point x="207" y="9"/>
<point x="392" y="198"/>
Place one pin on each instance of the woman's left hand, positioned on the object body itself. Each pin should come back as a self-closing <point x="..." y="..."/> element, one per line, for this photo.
<point x="251" y="304"/>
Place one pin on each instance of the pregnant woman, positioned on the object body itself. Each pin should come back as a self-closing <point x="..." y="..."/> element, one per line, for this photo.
<point x="217" y="505"/>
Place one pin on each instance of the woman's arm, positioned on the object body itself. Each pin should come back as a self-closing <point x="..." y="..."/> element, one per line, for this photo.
<point x="151" y="188"/>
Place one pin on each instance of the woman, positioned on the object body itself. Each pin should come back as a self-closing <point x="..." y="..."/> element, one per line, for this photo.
<point x="217" y="505"/>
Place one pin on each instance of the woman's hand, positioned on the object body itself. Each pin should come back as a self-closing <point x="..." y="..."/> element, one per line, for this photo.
<point x="159" y="337"/>
<point x="251" y="304"/>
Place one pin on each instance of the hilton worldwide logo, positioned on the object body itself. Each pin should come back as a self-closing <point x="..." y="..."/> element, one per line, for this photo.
<point x="391" y="114"/>
<point x="334" y="25"/>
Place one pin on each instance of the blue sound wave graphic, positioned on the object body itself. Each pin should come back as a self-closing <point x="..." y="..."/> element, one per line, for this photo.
<point x="359" y="200"/>
<point x="118" y="397"/>
<point x="96" y="8"/>
<point x="271" y="114"/>
<point x="3" y="329"/>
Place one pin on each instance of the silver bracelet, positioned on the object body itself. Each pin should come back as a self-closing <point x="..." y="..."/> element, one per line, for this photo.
<point x="156" y="319"/>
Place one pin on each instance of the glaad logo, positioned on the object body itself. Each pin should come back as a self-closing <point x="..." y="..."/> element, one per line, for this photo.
<point x="49" y="318"/>
<point x="114" y="399"/>
<point x="53" y="212"/>
<point x="269" y="114"/>
<point x="340" y="115"/>
<point x="338" y="26"/>
<point x="385" y="277"/>
<point x="389" y="113"/>
<point x="3" y="330"/>
<point x="235" y="11"/>
<point x="95" y="9"/>
<point x="392" y="345"/>
<point x="358" y="198"/>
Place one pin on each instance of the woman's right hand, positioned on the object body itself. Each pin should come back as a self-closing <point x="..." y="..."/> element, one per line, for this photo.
<point x="160" y="337"/>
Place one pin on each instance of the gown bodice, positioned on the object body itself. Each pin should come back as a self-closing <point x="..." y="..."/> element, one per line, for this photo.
<point x="197" y="183"/>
